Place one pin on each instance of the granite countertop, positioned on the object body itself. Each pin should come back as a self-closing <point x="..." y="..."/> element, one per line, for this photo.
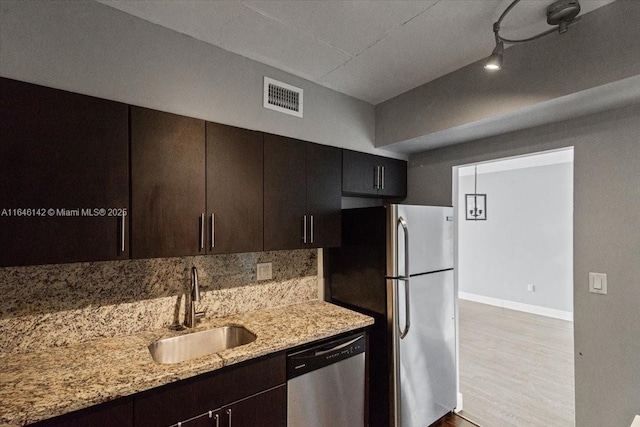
<point x="44" y="384"/>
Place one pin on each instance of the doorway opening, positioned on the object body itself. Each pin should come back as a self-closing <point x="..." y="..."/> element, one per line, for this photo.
<point x="514" y="278"/>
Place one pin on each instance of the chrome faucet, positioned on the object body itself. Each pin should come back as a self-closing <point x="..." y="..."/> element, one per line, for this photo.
<point x="192" y="315"/>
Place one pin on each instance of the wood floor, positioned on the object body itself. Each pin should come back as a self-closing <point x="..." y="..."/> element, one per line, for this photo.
<point x="516" y="369"/>
<point x="452" y="420"/>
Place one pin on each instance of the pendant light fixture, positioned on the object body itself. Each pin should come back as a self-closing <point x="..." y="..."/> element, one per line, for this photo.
<point x="476" y="204"/>
<point x="561" y="13"/>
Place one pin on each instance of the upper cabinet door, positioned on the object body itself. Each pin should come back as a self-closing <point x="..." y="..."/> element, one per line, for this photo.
<point x="324" y="182"/>
<point x="394" y="178"/>
<point x="284" y="193"/>
<point x="167" y="184"/>
<point x="359" y="174"/>
<point x="367" y="175"/>
<point x="234" y="189"/>
<point x="64" y="158"/>
<point x="302" y="194"/>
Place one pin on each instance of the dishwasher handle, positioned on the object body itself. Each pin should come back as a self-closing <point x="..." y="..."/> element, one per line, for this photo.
<point x="323" y="354"/>
<point x="337" y="347"/>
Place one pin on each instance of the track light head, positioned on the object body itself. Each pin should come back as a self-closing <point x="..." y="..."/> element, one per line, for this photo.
<point x="494" y="61"/>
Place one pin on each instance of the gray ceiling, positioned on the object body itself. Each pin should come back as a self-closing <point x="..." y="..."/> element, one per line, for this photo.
<point x="372" y="50"/>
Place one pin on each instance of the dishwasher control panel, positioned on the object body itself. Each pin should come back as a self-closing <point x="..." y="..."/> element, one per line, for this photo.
<point x="323" y="354"/>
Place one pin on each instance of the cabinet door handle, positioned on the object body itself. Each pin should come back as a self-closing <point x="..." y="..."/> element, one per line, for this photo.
<point x="202" y="231"/>
<point x="229" y="413"/>
<point x="213" y="231"/>
<point x="304" y="229"/>
<point x="216" y="417"/>
<point x="122" y="233"/>
<point x="376" y="177"/>
<point x="382" y="178"/>
<point x="311" y="228"/>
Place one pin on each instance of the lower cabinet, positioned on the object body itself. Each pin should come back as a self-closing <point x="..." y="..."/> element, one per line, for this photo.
<point x="266" y="409"/>
<point x="118" y="412"/>
<point x="247" y="394"/>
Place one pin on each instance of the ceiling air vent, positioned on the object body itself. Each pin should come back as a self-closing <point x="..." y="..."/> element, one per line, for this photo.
<point x="282" y="97"/>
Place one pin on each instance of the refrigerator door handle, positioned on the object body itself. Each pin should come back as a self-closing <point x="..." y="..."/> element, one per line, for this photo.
<point x="407" y="322"/>
<point x="405" y="229"/>
<point x="405" y="279"/>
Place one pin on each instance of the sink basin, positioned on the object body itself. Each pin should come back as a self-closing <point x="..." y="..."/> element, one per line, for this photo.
<point x="189" y="346"/>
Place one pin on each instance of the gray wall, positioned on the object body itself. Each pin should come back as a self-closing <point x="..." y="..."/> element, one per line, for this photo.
<point x="604" y="47"/>
<point x="526" y="239"/>
<point x="606" y="240"/>
<point x="90" y="48"/>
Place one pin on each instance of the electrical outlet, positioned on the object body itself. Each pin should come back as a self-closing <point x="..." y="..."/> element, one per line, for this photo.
<point x="531" y="288"/>
<point x="264" y="271"/>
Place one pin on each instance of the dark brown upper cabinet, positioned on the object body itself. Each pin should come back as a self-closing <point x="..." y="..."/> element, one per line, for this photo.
<point x="196" y="187"/>
<point x="367" y="175"/>
<point x="234" y="189"/>
<point x="167" y="184"/>
<point x="64" y="192"/>
<point x="302" y="202"/>
<point x="284" y="192"/>
<point x="324" y="200"/>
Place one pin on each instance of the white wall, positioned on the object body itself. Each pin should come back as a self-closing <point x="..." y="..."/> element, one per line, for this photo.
<point x="90" y="48"/>
<point x="527" y="237"/>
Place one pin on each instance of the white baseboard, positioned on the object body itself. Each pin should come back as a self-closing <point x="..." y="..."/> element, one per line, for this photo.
<point x="511" y="305"/>
<point x="458" y="403"/>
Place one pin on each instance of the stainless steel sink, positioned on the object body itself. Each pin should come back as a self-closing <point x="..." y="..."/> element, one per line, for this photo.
<point x="189" y="346"/>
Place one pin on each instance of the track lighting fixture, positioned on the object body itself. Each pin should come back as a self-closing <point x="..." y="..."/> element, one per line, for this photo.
<point x="561" y="13"/>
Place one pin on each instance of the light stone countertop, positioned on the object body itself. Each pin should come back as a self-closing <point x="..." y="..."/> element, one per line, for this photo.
<point x="44" y="384"/>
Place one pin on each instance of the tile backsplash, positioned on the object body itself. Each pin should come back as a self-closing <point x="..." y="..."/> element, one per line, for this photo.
<point x="54" y="305"/>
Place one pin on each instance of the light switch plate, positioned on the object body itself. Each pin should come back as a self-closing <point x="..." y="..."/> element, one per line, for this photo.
<point x="264" y="271"/>
<point x="598" y="283"/>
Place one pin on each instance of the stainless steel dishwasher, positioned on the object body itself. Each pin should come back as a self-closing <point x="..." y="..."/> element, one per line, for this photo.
<point x="325" y="384"/>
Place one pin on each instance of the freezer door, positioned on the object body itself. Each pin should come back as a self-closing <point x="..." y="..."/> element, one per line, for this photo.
<point x="424" y="384"/>
<point x="430" y="231"/>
